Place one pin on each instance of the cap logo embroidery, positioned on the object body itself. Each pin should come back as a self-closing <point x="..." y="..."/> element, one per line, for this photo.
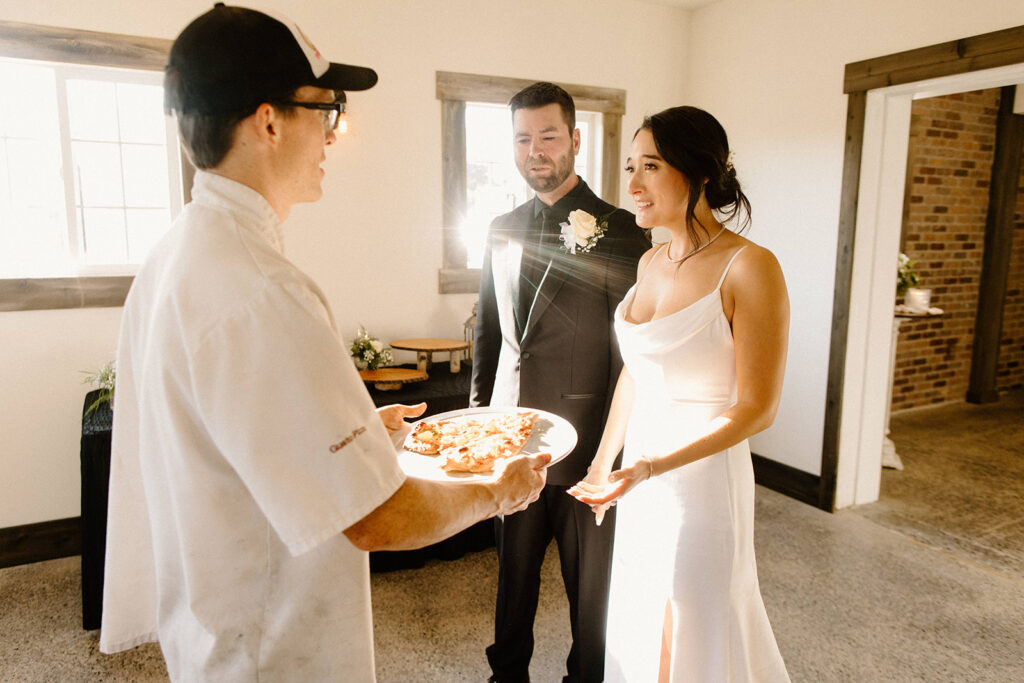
<point x="309" y="42"/>
<point x="317" y="63"/>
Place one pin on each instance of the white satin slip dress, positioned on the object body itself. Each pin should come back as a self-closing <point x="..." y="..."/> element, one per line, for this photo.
<point x="686" y="536"/>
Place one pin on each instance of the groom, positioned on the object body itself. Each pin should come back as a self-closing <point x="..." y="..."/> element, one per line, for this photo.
<point x="544" y="340"/>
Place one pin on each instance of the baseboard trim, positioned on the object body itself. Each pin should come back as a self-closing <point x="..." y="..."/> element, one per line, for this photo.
<point x="787" y="480"/>
<point x="63" y="537"/>
<point x="41" y="541"/>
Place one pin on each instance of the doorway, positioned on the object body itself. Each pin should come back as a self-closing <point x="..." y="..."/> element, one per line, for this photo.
<point x="956" y="472"/>
<point x="880" y="96"/>
<point x="955" y="141"/>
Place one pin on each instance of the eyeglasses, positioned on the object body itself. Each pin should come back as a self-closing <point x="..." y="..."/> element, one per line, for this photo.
<point x="331" y="111"/>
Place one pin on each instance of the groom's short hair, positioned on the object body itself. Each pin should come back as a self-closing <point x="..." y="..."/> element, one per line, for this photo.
<point x="541" y="94"/>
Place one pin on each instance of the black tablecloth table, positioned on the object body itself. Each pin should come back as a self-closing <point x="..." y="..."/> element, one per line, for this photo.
<point x="95" y="463"/>
<point x="442" y="391"/>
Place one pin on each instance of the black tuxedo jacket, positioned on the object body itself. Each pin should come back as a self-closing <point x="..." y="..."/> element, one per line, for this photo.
<point x="567" y="358"/>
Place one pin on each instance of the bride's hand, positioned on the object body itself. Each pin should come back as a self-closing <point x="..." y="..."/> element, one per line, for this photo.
<point x="601" y="491"/>
<point x="617" y="484"/>
<point x="593" y="484"/>
<point x="626" y="479"/>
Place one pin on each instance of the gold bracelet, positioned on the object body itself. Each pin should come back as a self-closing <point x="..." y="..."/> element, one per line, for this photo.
<point x="650" y="467"/>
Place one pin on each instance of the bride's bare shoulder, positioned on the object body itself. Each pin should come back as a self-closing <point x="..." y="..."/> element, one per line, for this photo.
<point x="753" y="255"/>
<point x="754" y="265"/>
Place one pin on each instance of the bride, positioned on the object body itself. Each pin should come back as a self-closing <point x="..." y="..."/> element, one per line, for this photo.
<point x="703" y="335"/>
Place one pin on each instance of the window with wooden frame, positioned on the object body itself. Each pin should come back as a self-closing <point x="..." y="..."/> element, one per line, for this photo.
<point x="480" y="180"/>
<point x="91" y="173"/>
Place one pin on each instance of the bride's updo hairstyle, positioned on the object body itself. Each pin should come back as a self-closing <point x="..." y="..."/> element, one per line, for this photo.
<point x="694" y="143"/>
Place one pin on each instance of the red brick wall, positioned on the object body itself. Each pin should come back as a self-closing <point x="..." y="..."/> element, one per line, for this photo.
<point x="952" y="140"/>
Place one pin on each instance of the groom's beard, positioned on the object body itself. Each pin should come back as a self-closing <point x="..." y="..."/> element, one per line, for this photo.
<point x="562" y="169"/>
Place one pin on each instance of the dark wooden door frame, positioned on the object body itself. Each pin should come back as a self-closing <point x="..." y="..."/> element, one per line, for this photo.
<point x="995" y="260"/>
<point x="977" y="53"/>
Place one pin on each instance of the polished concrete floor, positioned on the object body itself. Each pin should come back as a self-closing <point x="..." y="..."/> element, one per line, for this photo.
<point x="962" y="486"/>
<point x="924" y="585"/>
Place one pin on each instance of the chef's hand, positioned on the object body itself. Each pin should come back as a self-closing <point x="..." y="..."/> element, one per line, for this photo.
<point x="520" y="482"/>
<point x="393" y="416"/>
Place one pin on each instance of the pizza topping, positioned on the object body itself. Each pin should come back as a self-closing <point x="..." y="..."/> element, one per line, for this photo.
<point x="472" y="443"/>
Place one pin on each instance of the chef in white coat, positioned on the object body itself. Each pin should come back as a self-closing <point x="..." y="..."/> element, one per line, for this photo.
<point x="251" y="472"/>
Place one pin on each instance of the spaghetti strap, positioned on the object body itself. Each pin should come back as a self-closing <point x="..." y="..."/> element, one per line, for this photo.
<point x="728" y="266"/>
<point x="656" y="252"/>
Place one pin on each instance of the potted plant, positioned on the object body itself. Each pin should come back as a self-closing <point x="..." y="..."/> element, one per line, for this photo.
<point x="916" y="299"/>
<point x="368" y="352"/>
<point x="905" y="275"/>
<point x="103" y="380"/>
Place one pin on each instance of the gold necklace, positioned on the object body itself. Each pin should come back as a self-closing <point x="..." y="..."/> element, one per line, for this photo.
<point x="686" y="256"/>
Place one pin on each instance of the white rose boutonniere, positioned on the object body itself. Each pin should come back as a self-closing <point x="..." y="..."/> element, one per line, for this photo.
<point x="582" y="231"/>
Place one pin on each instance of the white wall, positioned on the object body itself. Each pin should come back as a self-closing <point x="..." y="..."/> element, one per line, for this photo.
<point x="373" y="242"/>
<point x="772" y="72"/>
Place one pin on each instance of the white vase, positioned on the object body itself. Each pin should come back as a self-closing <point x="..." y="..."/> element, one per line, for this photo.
<point x="918" y="300"/>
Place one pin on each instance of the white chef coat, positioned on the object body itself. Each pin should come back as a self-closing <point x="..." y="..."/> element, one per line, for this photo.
<point x="244" y="443"/>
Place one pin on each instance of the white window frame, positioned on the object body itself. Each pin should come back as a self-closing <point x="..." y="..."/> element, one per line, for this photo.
<point x="88" y="48"/>
<point x="174" y="161"/>
<point x="454" y="90"/>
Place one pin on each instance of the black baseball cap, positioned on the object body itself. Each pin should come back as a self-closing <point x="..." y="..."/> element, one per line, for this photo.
<point x="233" y="59"/>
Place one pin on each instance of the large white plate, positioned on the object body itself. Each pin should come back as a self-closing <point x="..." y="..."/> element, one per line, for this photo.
<point x="551" y="434"/>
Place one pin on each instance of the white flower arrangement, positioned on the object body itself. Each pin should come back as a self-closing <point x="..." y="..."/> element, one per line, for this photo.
<point x="905" y="275"/>
<point x="105" y="379"/>
<point x="368" y="352"/>
<point x="582" y="231"/>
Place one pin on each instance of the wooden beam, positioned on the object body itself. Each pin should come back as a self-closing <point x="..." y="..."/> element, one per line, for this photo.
<point x="986" y="51"/>
<point x="855" y="110"/>
<point x="995" y="260"/>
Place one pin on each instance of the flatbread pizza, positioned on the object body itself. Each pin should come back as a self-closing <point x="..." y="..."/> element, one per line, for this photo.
<point x="472" y="443"/>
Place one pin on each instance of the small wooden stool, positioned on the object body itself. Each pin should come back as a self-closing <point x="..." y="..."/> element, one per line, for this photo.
<point x="425" y="348"/>
<point x="389" y="379"/>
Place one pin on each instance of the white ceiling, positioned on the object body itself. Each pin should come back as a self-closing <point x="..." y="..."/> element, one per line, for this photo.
<point x="685" y="4"/>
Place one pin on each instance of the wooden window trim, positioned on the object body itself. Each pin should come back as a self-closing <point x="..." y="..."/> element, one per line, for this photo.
<point x="91" y="48"/>
<point x="454" y="90"/>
